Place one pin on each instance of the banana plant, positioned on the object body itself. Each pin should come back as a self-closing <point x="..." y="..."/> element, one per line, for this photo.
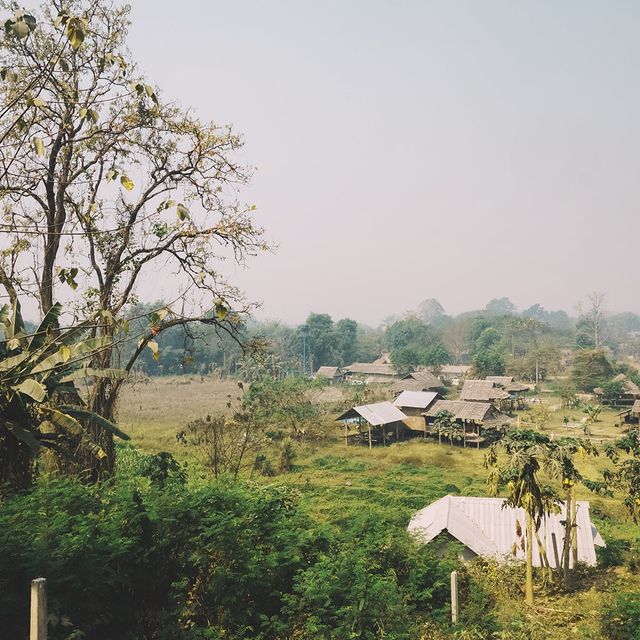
<point x="40" y="405"/>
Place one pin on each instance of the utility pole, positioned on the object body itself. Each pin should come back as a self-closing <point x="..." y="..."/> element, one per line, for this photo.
<point x="304" y="332"/>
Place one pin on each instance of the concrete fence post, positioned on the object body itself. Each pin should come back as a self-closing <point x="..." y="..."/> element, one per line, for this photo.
<point x="38" y="625"/>
<point x="454" y="597"/>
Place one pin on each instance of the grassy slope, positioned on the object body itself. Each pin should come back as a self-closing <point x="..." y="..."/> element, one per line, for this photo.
<point x="352" y="487"/>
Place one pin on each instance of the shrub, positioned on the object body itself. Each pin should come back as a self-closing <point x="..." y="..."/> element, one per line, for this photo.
<point x="621" y="619"/>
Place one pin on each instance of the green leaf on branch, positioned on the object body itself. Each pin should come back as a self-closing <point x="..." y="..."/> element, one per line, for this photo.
<point x="182" y="211"/>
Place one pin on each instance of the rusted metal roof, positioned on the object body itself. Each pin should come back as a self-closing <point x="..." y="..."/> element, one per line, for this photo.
<point x="487" y="526"/>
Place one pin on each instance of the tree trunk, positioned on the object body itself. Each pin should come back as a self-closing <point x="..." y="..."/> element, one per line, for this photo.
<point x="16" y="462"/>
<point x="566" y="546"/>
<point x="529" y="575"/>
<point x="574" y="528"/>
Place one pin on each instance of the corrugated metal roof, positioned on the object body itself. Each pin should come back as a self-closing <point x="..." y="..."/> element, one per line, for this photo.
<point x="376" y="414"/>
<point x="488" y="528"/>
<point x="415" y="399"/>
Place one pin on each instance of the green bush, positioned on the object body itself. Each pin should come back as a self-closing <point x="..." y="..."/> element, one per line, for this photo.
<point x="149" y="556"/>
<point x="621" y="620"/>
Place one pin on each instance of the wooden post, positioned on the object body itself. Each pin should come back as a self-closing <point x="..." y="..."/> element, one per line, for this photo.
<point x="454" y="597"/>
<point x="38" y="626"/>
<point x="554" y="541"/>
<point x="370" y="446"/>
<point x="346" y="434"/>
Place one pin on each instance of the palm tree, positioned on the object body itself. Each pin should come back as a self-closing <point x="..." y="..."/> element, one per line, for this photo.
<point x="526" y="452"/>
<point x="559" y="463"/>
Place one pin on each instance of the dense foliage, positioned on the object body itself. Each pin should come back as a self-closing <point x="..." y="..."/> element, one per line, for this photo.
<point x="142" y="558"/>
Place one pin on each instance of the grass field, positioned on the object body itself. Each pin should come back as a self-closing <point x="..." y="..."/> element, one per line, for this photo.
<point x="408" y="474"/>
<point x="386" y="485"/>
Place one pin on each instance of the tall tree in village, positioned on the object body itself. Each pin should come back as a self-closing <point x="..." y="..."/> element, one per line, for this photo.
<point x="591" y="329"/>
<point x="104" y="182"/>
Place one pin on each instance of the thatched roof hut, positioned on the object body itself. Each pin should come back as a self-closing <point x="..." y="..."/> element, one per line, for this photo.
<point x="333" y="374"/>
<point x="372" y="371"/>
<point x="418" y="381"/>
<point x="482" y="391"/>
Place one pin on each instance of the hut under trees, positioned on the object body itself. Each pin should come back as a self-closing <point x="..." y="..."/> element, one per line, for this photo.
<point x="472" y="419"/>
<point x="332" y="374"/>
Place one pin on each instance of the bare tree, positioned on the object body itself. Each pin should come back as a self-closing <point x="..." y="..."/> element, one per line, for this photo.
<point x="593" y="318"/>
<point x="114" y="186"/>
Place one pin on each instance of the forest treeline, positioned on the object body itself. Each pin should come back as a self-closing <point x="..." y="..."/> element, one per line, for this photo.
<point x="496" y="340"/>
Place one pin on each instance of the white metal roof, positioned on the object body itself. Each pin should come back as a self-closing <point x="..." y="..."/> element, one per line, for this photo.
<point x="488" y="527"/>
<point x="415" y="399"/>
<point x="376" y="414"/>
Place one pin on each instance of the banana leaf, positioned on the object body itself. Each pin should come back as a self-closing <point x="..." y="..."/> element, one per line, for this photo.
<point x="85" y="414"/>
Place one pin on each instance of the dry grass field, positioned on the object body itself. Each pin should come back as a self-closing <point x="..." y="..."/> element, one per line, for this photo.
<point x="153" y="410"/>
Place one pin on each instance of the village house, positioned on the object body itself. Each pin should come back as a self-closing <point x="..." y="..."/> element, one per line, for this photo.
<point x="413" y="404"/>
<point x="332" y="374"/>
<point x="488" y="527"/>
<point x="513" y="388"/>
<point x="632" y="414"/>
<point x="380" y="422"/>
<point x="418" y="381"/>
<point x="472" y="417"/>
<point x="453" y="373"/>
<point x="630" y="395"/>
<point x="486" y="391"/>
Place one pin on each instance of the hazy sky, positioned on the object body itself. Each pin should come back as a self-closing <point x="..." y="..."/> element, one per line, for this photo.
<point x="415" y="149"/>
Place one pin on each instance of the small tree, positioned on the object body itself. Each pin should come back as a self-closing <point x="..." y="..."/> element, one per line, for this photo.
<point x="288" y="407"/>
<point x="626" y="475"/>
<point x="537" y="417"/>
<point x="444" y="423"/>
<point x="559" y="463"/>
<point x="226" y="444"/>
<point x="526" y="451"/>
